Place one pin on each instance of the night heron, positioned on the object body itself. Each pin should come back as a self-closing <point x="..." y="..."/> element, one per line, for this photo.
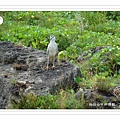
<point x="52" y="51"/>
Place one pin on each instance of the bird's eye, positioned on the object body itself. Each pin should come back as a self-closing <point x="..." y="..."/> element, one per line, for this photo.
<point x="51" y="37"/>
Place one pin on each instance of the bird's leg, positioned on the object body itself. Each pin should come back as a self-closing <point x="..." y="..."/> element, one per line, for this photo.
<point x="48" y="63"/>
<point x="53" y="63"/>
<point x="58" y="61"/>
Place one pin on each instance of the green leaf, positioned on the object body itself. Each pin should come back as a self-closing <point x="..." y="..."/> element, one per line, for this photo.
<point x="34" y="44"/>
<point x="77" y="79"/>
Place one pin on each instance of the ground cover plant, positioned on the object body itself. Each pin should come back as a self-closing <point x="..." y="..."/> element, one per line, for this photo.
<point x="89" y="39"/>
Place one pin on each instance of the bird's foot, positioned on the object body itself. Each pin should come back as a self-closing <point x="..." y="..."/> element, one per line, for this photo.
<point x="47" y="67"/>
<point x="59" y="62"/>
<point x="53" y="67"/>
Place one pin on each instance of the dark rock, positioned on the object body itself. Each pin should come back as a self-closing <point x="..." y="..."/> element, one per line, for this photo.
<point x="4" y="93"/>
<point x="98" y="100"/>
<point x="23" y="70"/>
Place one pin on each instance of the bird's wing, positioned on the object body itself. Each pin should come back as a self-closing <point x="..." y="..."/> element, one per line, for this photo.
<point x="56" y="49"/>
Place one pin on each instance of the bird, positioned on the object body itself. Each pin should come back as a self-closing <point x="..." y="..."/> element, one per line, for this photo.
<point x="52" y="51"/>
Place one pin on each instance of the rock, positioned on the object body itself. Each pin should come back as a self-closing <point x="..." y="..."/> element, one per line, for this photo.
<point x="98" y="100"/>
<point x="116" y="91"/>
<point x="23" y="70"/>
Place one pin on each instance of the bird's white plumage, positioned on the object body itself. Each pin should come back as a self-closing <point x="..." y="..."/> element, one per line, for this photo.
<point x="52" y="50"/>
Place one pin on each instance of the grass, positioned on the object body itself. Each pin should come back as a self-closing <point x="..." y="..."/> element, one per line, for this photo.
<point x="62" y="100"/>
<point x="76" y="33"/>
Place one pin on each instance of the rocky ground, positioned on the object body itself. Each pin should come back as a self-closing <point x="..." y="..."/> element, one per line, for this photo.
<point x="23" y="70"/>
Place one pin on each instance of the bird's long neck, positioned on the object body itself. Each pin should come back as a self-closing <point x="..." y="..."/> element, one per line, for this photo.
<point x="53" y="40"/>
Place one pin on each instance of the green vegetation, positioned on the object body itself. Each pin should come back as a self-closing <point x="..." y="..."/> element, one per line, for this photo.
<point x="76" y="33"/>
<point x="63" y="100"/>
